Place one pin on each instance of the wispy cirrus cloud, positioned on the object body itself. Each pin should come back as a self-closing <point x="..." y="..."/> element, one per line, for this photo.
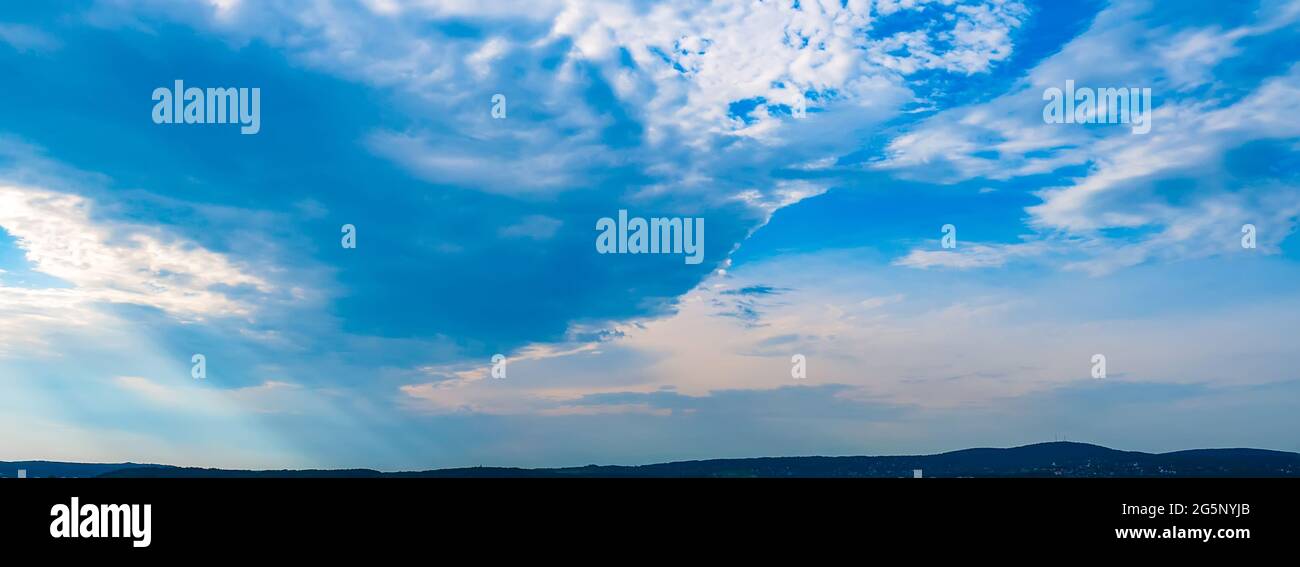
<point x="1118" y="179"/>
<point x="27" y="38"/>
<point x="120" y="262"/>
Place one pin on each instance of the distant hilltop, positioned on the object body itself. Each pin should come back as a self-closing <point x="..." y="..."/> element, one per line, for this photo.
<point x="1057" y="459"/>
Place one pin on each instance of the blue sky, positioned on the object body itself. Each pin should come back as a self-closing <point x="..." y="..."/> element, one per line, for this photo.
<point x="126" y="246"/>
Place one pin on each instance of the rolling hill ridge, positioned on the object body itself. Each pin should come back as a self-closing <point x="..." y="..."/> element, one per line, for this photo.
<point x="1055" y="459"/>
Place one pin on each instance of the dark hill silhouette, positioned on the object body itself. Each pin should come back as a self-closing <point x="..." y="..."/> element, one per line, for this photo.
<point x="38" y="469"/>
<point x="1058" y="459"/>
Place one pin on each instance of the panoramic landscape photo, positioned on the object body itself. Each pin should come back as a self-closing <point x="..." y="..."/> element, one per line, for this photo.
<point x="567" y="238"/>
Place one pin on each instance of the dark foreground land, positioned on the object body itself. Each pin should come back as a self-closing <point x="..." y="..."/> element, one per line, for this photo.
<point x="1058" y="459"/>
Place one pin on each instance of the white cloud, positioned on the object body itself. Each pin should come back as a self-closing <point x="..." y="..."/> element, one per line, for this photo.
<point x="697" y="59"/>
<point x="100" y="262"/>
<point x="119" y="262"/>
<point x="536" y="227"/>
<point x="979" y="37"/>
<point x="26" y="315"/>
<point x="691" y="62"/>
<point x="27" y="38"/>
<point x="479" y="166"/>
<point x="466" y="386"/>
<point x="1006" y="138"/>
<point x="971" y="255"/>
<point x="192" y="397"/>
<point x="878" y="302"/>
<point x="950" y="346"/>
